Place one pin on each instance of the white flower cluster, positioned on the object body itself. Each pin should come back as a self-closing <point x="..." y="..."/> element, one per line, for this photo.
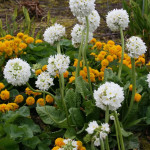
<point x="54" y="33"/>
<point x="101" y="133"/>
<point x="76" y="35"/>
<point x="116" y="19"/>
<point x="135" y="47"/>
<point x="17" y="72"/>
<point x="148" y="80"/>
<point x="44" y="81"/>
<point x="81" y="8"/>
<point x="110" y="94"/>
<point x="94" y="20"/>
<point x="58" y="64"/>
<point x="69" y="144"/>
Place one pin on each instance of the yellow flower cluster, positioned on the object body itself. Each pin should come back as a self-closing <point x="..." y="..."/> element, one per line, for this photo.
<point x="8" y="107"/>
<point x="13" y="46"/>
<point x="108" y="52"/>
<point x="59" y="143"/>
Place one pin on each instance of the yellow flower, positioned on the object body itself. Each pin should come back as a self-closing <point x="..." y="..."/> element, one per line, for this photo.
<point x="82" y="148"/>
<point x="98" y="45"/>
<point x="103" y="53"/>
<point x="41" y="102"/>
<point x="93" y="41"/>
<point x="130" y="87"/>
<point x="30" y="100"/>
<point x="93" y="54"/>
<point x="83" y="74"/>
<point x="20" y="35"/>
<point x="110" y="58"/>
<point x="28" y="91"/>
<point x="44" y="68"/>
<point x="141" y="59"/>
<point x="115" y="56"/>
<point x="76" y="63"/>
<point x="29" y="40"/>
<point x="79" y="143"/>
<point x="66" y="74"/>
<point x="17" y="41"/>
<point x="36" y="94"/>
<point x="8" y="37"/>
<point x="3" y="107"/>
<point x="101" y="74"/>
<point x="1" y="86"/>
<point x="59" y="142"/>
<point x="19" y="99"/>
<point x="24" y="37"/>
<point x="56" y="148"/>
<point x="71" y="79"/>
<point x="22" y="45"/>
<point x="49" y="99"/>
<point x="137" y="97"/>
<point x="105" y="62"/>
<point x="5" y="95"/>
<point x="37" y="72"/>
<point x="110" y="42"/>
<point x="38" y="41"/>
<point x="100" y="57"/>
<point x="12" y="106"/>
<point x="103" y="68"/>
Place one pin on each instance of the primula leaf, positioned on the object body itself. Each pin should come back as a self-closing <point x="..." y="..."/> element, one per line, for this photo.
<point x="70" y="133"/>
<point x="148" y="115"/>
<point x="125" y="133"/>
<point x="8" y="144"/>
<point x="77" y="116"/>
<point x="81" y="87"/>
<point x="89" y="107"/>
<point x="51" y="115"/>
<point x="31" y="142"/>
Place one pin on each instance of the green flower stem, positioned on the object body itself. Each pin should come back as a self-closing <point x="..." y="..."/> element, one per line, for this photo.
<point x="102" y="144"/>
<point x="79" y="56"/>
<point x="38" y="91"/>
<point x="84" y="56"/>
<point x="122" y="57"/>
<point x="106" y="121"/>
<point x="58" y="48"/>
<point x="44" y="98"/>
<point x="61" y="84"/>
<point x="117" y="135"/>
<point x="133" y="89"/>
<point x="119" y="130"/>
<point x="62" y="87"/>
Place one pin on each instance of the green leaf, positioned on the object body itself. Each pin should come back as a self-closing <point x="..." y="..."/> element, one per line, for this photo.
<point x="87" y="138"/>
<point x="131" y="142"/>
<point x="148" y="115"/>
<point x="77" y="116"/>
<point x="8" y="144"/>
<point x="70" y="133"/>
<point x="59" y="133"/>
<point x="125" y="133"/>
<point x="32" y="142"/>
<point x="43" y="147"/>
<point x="14" y="93"/>
<point x="51" y="115"/>
<point x="70" y="98"/>
<point x="89" y="107"/>
<point x="81" y="87"/>
<point x="2" y="132"/>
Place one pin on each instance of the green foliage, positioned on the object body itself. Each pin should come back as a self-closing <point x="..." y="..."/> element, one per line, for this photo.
<point x="17" y="128"/>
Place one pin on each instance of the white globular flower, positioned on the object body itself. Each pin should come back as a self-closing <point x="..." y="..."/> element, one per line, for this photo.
<point x="76" y="35"/>
<point x="58" y="64"/>
<point x="44" y="81"/>
<point x="81" y="8"/>
<point x="94" y="20"/>
<point x="135" y="47"/>
<point x="92" y="126"/>
<point x="17" y="72"/>
<point x="116" y="19"/>
<point x="54" y="33"/>
<point x="110" y="94"/>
